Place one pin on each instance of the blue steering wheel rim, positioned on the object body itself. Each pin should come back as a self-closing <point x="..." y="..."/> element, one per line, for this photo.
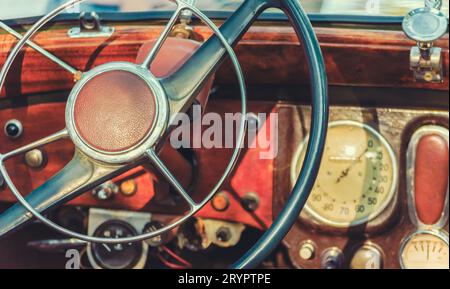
<point x="319" y="125"/>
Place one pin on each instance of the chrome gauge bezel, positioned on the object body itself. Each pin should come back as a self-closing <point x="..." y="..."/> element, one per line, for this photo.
<point x="442" y="235"/>
<point x="310" y="212"/>
<point x="410" y="173"/>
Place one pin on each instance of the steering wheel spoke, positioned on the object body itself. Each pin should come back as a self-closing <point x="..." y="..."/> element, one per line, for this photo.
<point x="189" y="80"/>
<point x="162" y="38"/>
<point x="76" y="73"/>
<point x="165" y="171"/>
<point x="42" y="142"/>
<point x="79" y="175"/>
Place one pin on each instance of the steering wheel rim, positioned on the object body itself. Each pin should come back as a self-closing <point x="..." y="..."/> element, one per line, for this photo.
<point x="319" y="126"/>
<point x="181" y="6"/>
<point x="314" y="152"/>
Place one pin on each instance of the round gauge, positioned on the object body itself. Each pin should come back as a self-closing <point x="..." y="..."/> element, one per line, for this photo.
<point x="116" y="256"/>
<point x="425" y="250"/>
<point x="357" y="179"/>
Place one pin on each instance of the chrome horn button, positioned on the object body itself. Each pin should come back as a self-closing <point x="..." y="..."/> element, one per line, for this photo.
<point x="116" y="112"/>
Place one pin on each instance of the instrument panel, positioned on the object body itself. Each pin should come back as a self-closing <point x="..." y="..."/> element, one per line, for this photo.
<point x="374" y="144"/>
<point x="359" y="212"/>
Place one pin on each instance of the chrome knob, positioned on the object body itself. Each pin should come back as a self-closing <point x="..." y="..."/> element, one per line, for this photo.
<point x="106" y="191"/>
<point x="35" y="159"/>
<point x="332" y="258"/>
<point x="425" y="25"/>
<point x="367" y="257"/>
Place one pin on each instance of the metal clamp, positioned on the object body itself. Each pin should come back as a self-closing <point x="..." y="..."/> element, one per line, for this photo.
<point x="90" y="27"/>
<point x="426" y="63"/>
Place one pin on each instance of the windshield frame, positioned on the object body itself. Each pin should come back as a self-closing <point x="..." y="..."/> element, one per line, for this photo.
<point x="215" y="15"/>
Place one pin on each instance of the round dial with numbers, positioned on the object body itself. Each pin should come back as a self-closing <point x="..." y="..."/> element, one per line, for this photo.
<point x="357" y="179"/>
<point x="425" y="250"/>
<point x="116" y="256"/>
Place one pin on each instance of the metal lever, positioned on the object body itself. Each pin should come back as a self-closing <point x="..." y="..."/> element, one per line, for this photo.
<point x="426" y="25"/>
<point x="184" y="29"/>
<point x="436" y="4"/>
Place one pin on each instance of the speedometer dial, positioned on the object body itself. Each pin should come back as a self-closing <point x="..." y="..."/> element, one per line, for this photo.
<point x="357" y="179"/>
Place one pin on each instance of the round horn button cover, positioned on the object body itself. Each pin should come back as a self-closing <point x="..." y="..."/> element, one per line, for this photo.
<point x="115" y="111"/>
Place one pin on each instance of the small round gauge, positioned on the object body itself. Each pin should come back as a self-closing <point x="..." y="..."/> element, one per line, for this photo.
<point x="425" y="250"/>
<point x="357" y="179"/>
<point x="116" y="256"/>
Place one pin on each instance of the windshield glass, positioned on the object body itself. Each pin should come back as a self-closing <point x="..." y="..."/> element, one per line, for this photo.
<point x="22" y="8"/>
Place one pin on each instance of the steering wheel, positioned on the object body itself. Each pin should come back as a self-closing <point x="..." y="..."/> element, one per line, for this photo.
<point x="151" y="105"/>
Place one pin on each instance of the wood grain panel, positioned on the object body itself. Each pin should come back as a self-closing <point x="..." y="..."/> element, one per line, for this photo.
<point x="268" y="54"/>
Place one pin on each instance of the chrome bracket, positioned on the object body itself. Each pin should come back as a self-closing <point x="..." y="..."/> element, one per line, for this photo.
<point x="426" y="63"/>
<point x="426" y="25"/>
<point x="90" y="27"/>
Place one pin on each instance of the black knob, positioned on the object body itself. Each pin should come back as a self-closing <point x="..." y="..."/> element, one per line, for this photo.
<point x="13" y="129"/>
<point x="223" y="235"/>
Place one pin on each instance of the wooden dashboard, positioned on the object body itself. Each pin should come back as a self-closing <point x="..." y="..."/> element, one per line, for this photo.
<point x="365" y="60"/>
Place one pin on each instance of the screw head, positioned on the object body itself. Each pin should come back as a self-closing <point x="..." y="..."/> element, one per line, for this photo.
<point x="250" y="202"/>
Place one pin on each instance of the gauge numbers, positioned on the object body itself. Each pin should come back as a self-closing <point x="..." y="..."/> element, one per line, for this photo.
<point x="357" y="179"/>
<point x="425" y="250"/>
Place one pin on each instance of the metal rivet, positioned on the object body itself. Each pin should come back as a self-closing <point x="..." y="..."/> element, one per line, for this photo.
<point x="128" y="188"/>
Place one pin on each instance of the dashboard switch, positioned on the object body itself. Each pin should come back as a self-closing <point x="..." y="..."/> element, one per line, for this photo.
<point x="332" y="258"/>
<point x="35" y="159"/>
<point x="431" y="178"/>
<point x="13" y="129"/>
<point x="307" y="251"/>
<point x="367" y="257"/>
<point x="106" y="191"/>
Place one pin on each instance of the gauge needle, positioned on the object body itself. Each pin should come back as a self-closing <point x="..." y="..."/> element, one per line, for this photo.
<point x="346" y="171"/>
<point x="107" y="248"/>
